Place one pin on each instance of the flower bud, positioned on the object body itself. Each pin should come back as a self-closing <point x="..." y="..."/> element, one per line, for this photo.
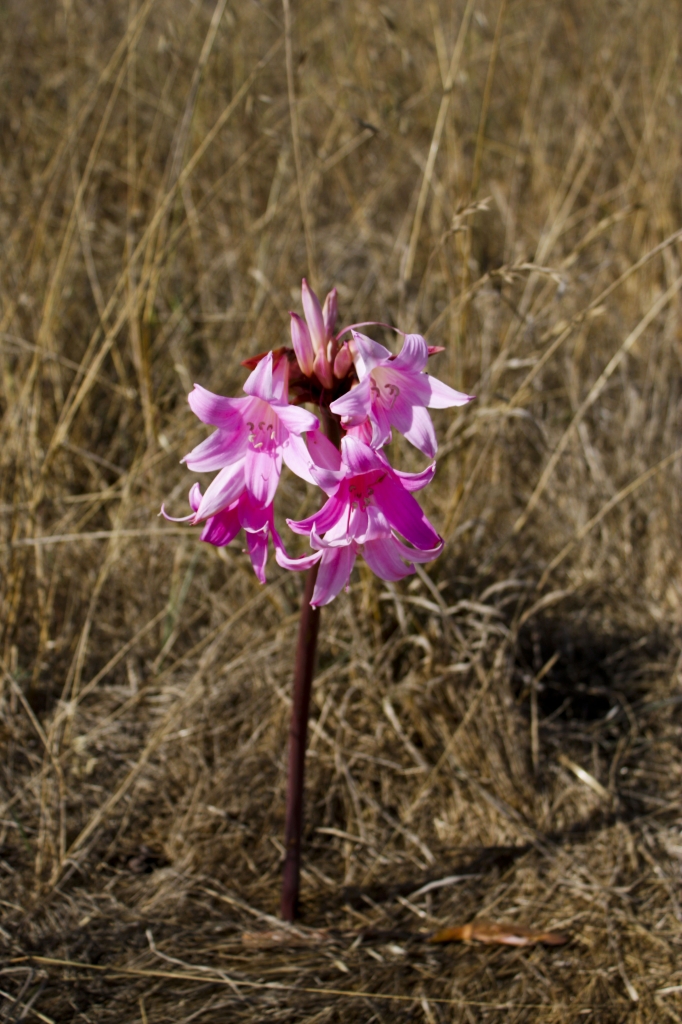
<point x="330" y="312"/>
<point x="303" y="346"/>
<point x="313" y="315"/>
<point x="343" y="361"/>
<point x="323" y="370"/>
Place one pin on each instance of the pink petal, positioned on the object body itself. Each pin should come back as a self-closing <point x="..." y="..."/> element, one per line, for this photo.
<point x="296" y="457"/>
<point x="381" y="425"/>
<point x="367" y="353"/>
<point x="257" y="544"/>
<point x="295" y="419"/>
<point x="355" y="406"/>
<point x="222" y="491"/>
<point x="195" y="496"/>
<point x="175" y="519"/>
<point x="296" y="564"/>
<point x="252" y="517"/>
<point x="280" y="379"/>
<point x="286" y="561"/>
<point x="443" y="397"/>
<point x="358" y="523"/>
<point x="221" y="449"/>
<point x="331" y="512"/>
<point x="261" y="475"/>
<point x="410" y="386"/>
<point x="414" y="555"/>
<point x="313" y="314"/>
<point x="384" y="560"/>
<point x="415" y="481"/>
<point x="334" y="573"/>
<point x="404" y="513"/>
<point x="216" y="410"/>
<point x="413" y="355"/>
<point x="378" y="526"/>
<point x="221" y="528"/>
<point x="324" y="454"/>
<point x="359" y="457"/>
<point x="302" y="342"/>
<point x="421" y="433"/>
<point x="259" y="383"/>
<point x="362" y="431"/>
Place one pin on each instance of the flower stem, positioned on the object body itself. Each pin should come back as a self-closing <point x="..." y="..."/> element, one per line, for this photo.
<point x="308" y="627"/>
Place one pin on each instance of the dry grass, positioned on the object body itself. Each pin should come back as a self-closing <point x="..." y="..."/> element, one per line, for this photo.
<point x="514" y="715"/>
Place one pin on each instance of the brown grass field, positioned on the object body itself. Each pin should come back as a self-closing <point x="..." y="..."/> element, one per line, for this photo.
<point x="504" y="176"/>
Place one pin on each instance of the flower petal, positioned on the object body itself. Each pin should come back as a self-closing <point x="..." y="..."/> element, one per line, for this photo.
<point x="296" y="456"/>
<point x="331" y="512"/>
<point x="367" y="353"/>
<point x="222" y="491"/>
<point x="257" y="544"/>
<point x="221" y="449"/>
<point x="404" y="513"/>
<point x="384" y="560"/>
<point x="216" y="410"/>
<point x="359" y="457"/>
<point x="381" y="425"/>
<point x="296" y="564"/>
<point x="324" y="454"/>
<point x="221" y="528"/>
<point x="415" y="555"/>
<point x="421" y="433"/>
<point x="195" y="496"/>
<point x="335" y="569"/>
<point x="253" y="517"/>
<point x="295" y="419"/>
<point x="259" y="383"/>
<point x="261" y="474"/>
<point x="443" y="397"/>
<point x="355" y="406"/>
<point x="286" y="561"/>
<point x="413" y="355"/>
<point x="415" y="481"/>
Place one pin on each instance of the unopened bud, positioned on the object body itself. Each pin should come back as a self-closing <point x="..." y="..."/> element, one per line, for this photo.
<point x="303" y="346"/>
<point x="313" y="315"/>
<point x="343" y="361"/>
<point x="330" y="312"/>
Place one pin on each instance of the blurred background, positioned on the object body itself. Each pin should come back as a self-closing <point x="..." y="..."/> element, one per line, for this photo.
<point x="502" y="176"/>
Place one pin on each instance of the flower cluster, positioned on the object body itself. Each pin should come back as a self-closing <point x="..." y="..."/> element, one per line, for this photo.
<point x="362" y="391"/>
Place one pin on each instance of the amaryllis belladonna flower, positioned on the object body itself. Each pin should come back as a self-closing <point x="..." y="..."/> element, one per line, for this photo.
<point x="254" y="435"/>
<point x="369" y="509"/>
<point x="393" y="391"/>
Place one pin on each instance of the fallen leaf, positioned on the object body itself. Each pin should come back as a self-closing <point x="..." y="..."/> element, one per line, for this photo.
<point x="504" y="933"/>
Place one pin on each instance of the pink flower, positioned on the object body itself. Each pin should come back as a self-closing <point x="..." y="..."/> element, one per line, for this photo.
<point x="257" y="522"/>
<point x="395" y="392"/>
<point x="254" y="435"/>
<point x="313" y="338"/>
<point x="369" y="505"/>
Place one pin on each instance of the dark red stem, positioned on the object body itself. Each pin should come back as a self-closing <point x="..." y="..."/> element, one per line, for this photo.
<point x="308" y="627"/>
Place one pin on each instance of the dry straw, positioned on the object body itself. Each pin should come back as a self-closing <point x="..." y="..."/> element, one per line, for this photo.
<point x="504" y="177"/>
